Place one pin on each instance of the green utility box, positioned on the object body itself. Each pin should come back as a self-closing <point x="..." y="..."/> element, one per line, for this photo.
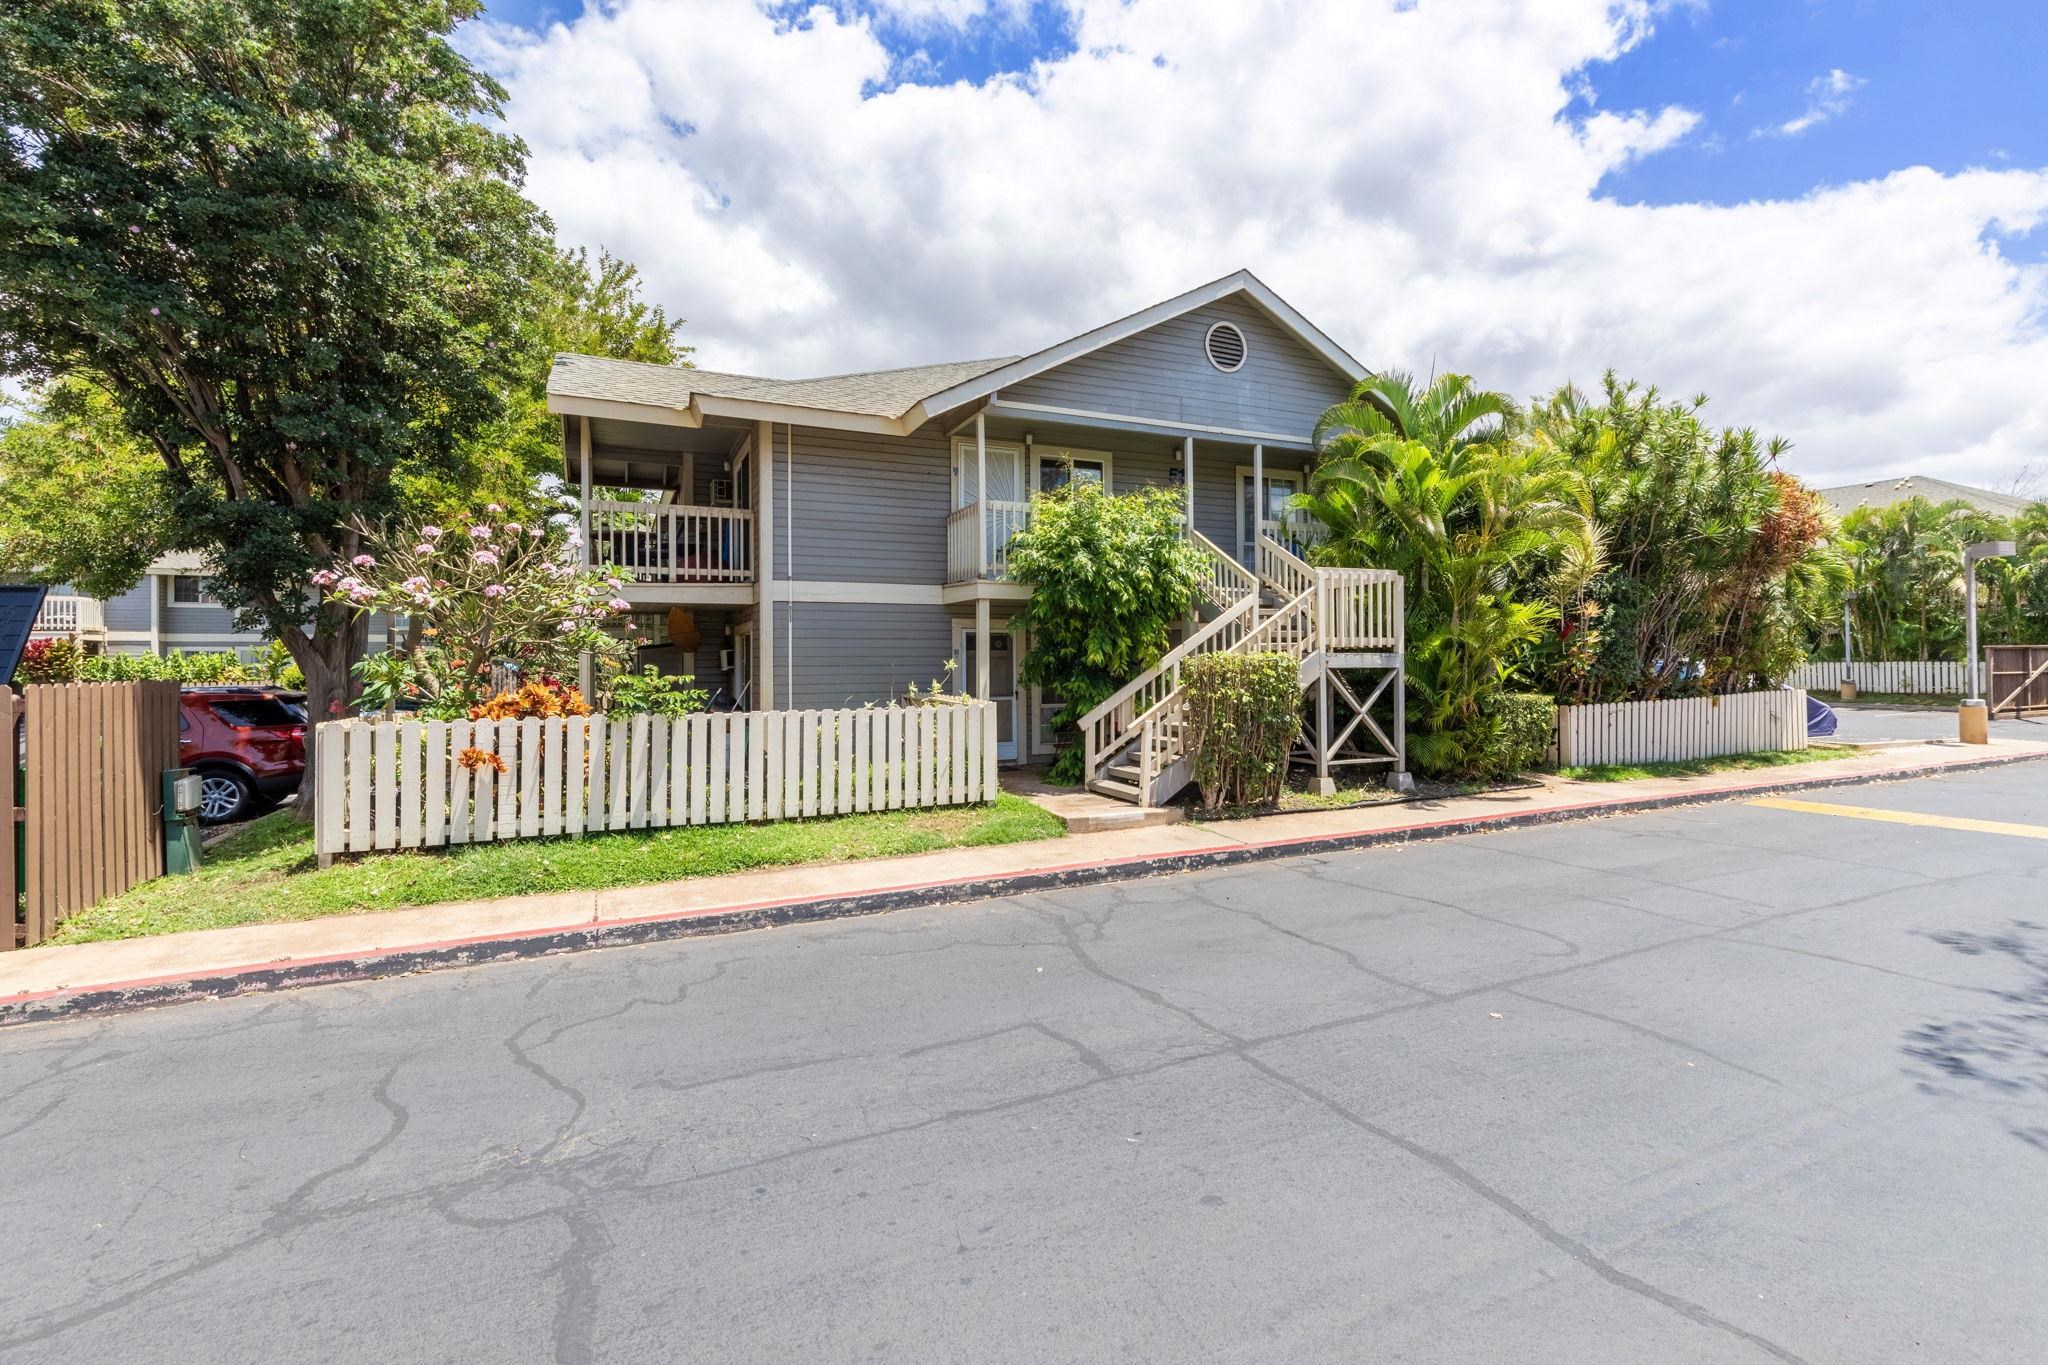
<point x="181" y="821"/>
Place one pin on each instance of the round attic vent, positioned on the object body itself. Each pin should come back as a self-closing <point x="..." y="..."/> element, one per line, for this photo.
<point x="1225" y="345"/>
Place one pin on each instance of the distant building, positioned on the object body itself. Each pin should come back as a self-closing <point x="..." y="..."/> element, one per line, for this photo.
<point x="168" y="609"/>
<point x="1885" y="492"/>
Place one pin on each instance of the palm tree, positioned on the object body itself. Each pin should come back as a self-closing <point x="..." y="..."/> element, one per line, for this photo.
<point x="1442" y="485"/>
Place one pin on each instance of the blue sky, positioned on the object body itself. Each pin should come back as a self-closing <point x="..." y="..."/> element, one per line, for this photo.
<point x="1830" y="215"/>
<point x="1949" y="84"/>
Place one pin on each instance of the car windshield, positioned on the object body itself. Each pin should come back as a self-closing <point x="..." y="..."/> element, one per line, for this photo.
<point x="265" y="713"/>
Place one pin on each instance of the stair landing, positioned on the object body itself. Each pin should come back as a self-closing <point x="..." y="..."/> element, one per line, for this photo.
<point x="1083" y="811"/>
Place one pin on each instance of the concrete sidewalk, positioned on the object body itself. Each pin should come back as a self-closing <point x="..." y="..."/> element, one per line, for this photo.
<point x="45" y="982"/>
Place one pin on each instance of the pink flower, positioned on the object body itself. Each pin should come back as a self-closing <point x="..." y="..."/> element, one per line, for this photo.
<point x="493" y="508"/>
<point x="565" y="626"/>
<point x="533" y="530"/>
<point x="363" y="561"/>
<point x="423" y="549"/>
<point x="350" y="583"/>
<point x="496" y="590"/>
<point x="430" y="532"/>
<point x="325" y="578"/>
<point x="416" y="583"/>
<point x="484" y="557"/>
<point x="619" y="604"/>
<point x="133" y="229"/>
<point x="479" y="533"/>
<point x="511" y="528"/>
<point x="575" y="539"/>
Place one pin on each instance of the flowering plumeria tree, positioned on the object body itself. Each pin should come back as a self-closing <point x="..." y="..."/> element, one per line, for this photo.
<point x="479" y="594"/>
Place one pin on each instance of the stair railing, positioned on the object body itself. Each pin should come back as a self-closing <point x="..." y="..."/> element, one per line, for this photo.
<point x="1226" y="581"/>
<point x="1106" y="728"/>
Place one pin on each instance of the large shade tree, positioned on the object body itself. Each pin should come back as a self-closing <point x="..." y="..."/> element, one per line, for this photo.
<point x="283" y="238"/>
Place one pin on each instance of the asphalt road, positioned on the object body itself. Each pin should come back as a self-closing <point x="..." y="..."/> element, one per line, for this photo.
<point x="1726" y="1084"/>
<point x="1857" y="723"/>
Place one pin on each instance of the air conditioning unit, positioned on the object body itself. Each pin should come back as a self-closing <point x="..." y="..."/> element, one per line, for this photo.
<point x="725" y="661"/>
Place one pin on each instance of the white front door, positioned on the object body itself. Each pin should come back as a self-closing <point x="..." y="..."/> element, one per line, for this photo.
<point x="1281" y="485"/>
<point x="1002" y="683"/>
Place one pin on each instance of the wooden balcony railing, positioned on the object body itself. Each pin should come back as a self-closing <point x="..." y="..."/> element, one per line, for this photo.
<point x="968" y="528"/>
<point x="670" y="543"/>
<point x="70" y="616"/>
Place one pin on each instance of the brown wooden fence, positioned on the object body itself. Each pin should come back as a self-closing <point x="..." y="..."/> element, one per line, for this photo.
<point x="2017" y="681"/>
<point x="92" y="761"/>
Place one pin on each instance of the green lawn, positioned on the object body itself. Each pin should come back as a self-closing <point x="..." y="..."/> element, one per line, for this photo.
<point x="1694" y="767"/>
<point x="266" y="873"/>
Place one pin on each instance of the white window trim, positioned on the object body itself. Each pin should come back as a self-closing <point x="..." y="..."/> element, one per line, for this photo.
<point x="963" y="460"/>
<point x="1060" y="454"/>
<point x="1244" y="473"/>
<point x="171" y="592"/>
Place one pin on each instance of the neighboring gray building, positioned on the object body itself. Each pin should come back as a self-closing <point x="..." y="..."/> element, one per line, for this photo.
<point x="169" y="609"/>
<point x="1884" y="492"/>
<point x="832" y="541"/>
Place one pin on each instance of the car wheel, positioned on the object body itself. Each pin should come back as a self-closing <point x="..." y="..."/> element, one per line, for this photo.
<point x="223" y="797"/>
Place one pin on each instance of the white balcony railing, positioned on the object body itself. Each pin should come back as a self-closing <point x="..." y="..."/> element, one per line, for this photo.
<point x="653" y="542"/>
<point x="968" y="528"/>
<point x="70" y="616"/>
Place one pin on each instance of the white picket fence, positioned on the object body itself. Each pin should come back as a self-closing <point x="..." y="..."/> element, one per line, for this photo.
<point x="1671" y="731"/>
<point x="400" y="784"/>
<point x="1916" y="677"/>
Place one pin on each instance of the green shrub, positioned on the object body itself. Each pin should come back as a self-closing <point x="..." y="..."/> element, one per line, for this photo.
<point x="1111" y="575"/>
<point x="176" y="666"/>
<point x="1519" y="727"/>
<point x="654" y="693"/>
<point x="1243" y="713"/>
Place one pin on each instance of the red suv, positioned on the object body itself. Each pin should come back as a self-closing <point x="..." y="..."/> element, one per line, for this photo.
<point x="248" y="745"/>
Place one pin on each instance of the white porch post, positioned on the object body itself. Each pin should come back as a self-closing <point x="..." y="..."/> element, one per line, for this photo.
<point x="981" y="498"/>
<point x="764" y="561"/>
<point x="1258" y="496"/>
<point x="586" y="679"/>
<point x="981" y="648"/>
<point x="1187" y="476"/>
<point x="156" y="613"/>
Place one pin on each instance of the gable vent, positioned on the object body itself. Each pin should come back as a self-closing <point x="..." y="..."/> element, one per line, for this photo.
<point x="1225" y="345"/>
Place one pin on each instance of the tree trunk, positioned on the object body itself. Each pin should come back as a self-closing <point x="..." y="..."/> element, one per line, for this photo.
<point x="328" y="661"/>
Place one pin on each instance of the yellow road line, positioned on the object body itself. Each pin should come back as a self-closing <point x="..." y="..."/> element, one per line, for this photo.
<point x="1906" y="817"/>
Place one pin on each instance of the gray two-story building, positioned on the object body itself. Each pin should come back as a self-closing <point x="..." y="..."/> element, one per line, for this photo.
<point x="832" y="541"/>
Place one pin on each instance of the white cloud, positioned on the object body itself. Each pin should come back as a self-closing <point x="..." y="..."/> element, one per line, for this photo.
<point x="1408" y="175"/>
<point x="1827" y="97"/>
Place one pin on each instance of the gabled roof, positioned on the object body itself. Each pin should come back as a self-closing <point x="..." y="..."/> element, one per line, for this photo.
<point x="1237" y="282"/>
<point x="893" y="401"/>
<point x="1884" y="492"/>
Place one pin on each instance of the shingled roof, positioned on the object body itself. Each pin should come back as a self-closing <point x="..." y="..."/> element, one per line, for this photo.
<point x="1884" y="492"/>
<point x="872" y="393"/>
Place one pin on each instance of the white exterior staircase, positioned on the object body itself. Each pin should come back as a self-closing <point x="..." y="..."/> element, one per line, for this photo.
<point x="1331" y="621"/>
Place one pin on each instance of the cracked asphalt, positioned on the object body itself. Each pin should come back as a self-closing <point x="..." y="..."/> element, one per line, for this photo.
<point x="1723" y="1084"/>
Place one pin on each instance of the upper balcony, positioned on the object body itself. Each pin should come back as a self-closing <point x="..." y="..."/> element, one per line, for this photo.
<point x="80" y="616"/>
<point x="673" y="543"/>
<point x="978" y="540"/>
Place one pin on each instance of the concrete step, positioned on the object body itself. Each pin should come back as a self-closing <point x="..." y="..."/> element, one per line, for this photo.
<point x="1121" y="790"/>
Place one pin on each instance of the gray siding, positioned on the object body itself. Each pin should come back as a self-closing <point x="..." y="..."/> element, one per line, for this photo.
<point x="866" y="509"/>
<point x="1162" y="374"/>
<point x="1216" y="494"/>
<point x="130" y="611"/>
<point x="853" y="654"/>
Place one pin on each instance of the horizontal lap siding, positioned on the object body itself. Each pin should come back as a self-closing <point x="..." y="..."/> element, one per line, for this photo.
<point x="850" y="654"/>
<point x="1163" y="374"/>
<point x="866" y="509"/>
<point x="130" y="611"/>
